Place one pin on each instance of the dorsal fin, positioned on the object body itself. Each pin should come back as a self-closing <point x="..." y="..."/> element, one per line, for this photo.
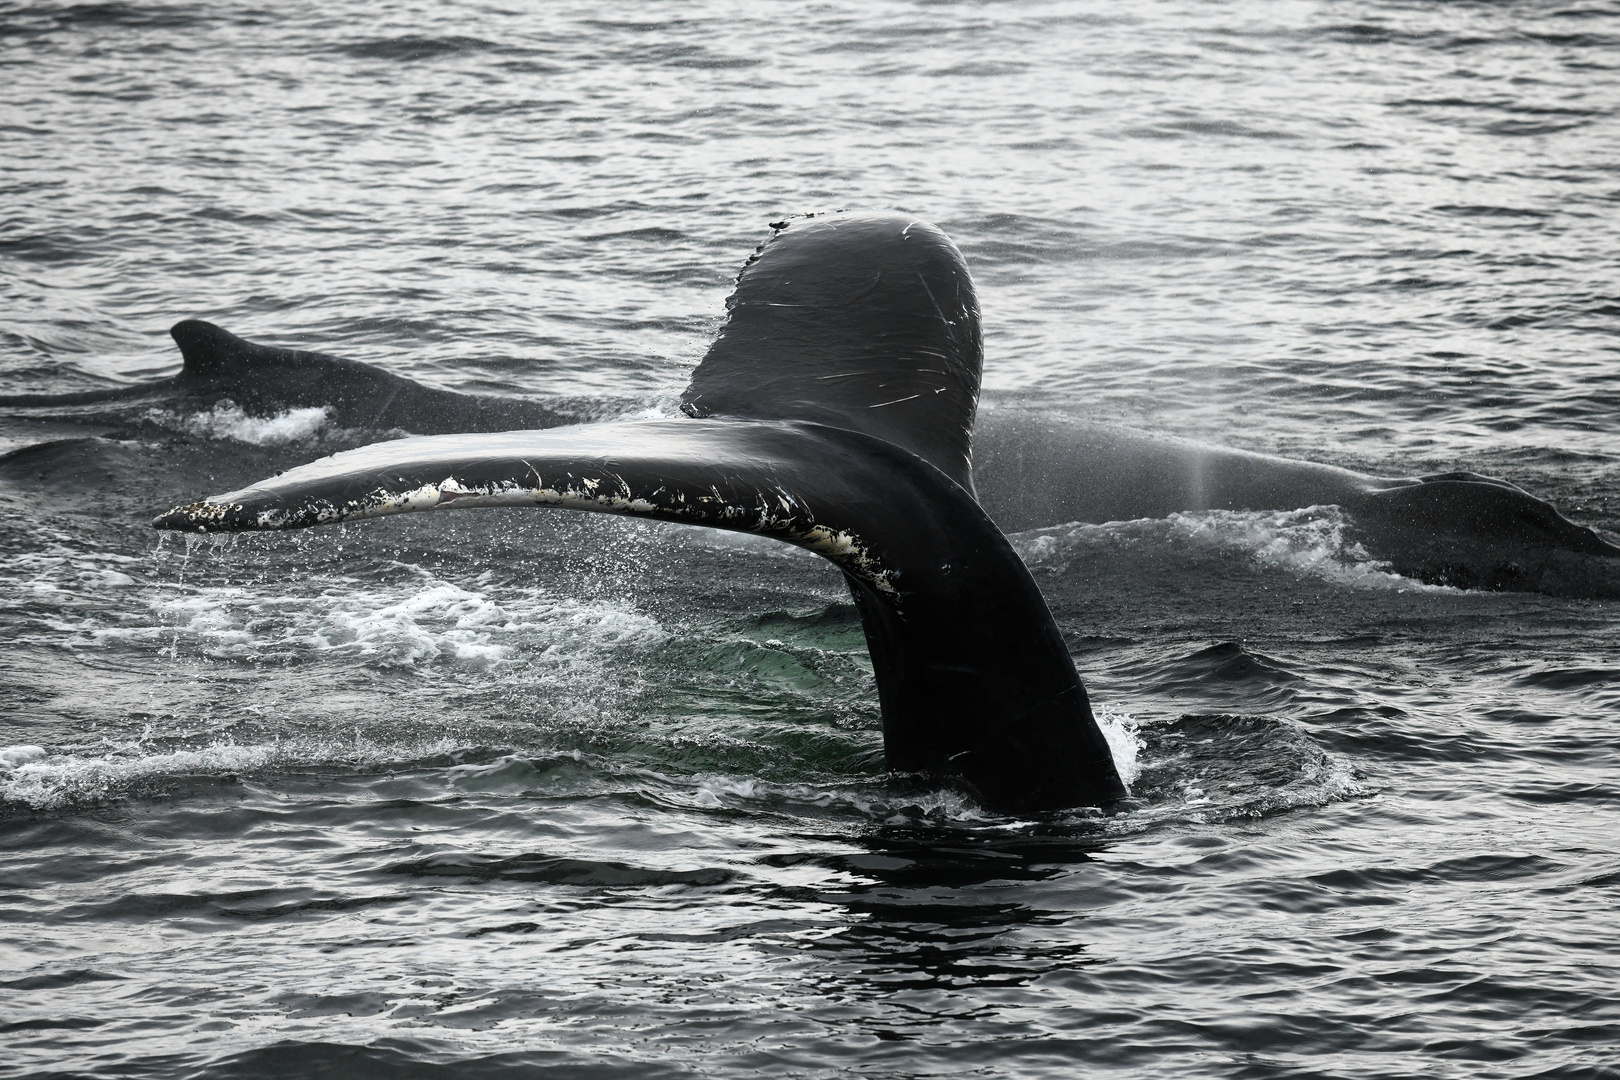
<point x="867" y="322"/>
<point x="212" y="353"/>
<point x="207" y="350"/>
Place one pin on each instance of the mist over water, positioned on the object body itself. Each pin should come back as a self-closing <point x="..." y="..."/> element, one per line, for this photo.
<point x="512" y="791"/>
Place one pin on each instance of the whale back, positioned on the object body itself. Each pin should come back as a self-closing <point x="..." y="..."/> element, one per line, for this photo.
<point x="265" y="379"/>
<point x="866" y="322"/>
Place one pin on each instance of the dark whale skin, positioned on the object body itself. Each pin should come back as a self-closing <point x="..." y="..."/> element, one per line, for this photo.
<point x="973" y="676"/>
<point x="264" y="380"/>
<point x="1457" y="529"/>
<point x="834" y="412"/>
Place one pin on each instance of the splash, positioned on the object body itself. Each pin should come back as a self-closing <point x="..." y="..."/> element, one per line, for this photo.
<point x="876" y="802"/>
<point x="1124" y="741"/>
<point x="63" y="567"/>
<point x="1310" y="542"/>
<point x="1210" y="768"/>
<point x="423" y="624"/>
<point x="226" y="420"/>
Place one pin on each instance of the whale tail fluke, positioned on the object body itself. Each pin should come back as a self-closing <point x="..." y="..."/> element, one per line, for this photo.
<point x="853" y="444"/>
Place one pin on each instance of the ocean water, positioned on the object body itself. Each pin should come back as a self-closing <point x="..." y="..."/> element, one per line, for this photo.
<point x="517" y="793"/>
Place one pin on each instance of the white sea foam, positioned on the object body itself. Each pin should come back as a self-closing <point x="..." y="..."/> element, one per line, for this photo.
<point x="878" y="801"/>
<point x="1207" y="769"/>
<point x="83" y="597"/>
<point x="713" y="791"/>
<point x="14" y="757"/>
<point x="226" y="420"/>
<point x="1327" y="779"/>
<point x="419" y="623"/>
<point x="62" y="567"/>
<point x="665" y="406"/>
<point x="1311" y="542"/>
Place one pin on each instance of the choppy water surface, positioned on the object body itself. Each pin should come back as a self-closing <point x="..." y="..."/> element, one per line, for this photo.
<point x="510" y="791"/>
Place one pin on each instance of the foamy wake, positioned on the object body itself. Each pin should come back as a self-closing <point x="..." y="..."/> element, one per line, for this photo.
<point x="1208" y="769"/>
<point x="879" y="801"/>
<point x="226" y="420"/>
<point x="63" y="569"/>
<point x="1311" y="542"/>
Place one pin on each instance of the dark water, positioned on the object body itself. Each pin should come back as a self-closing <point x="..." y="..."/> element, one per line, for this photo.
<point x="512" y="791"/>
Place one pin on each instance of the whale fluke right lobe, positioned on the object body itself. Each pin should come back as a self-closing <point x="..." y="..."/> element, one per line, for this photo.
<point x="867" y="322"/>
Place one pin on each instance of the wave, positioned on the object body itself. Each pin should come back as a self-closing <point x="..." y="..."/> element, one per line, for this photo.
<point x="1209" y="768"/>
<point x="421" y="622"/>
<point x="35" y="779"/>
<point x="63" y="568"/>
<point x="1273" y="771"/>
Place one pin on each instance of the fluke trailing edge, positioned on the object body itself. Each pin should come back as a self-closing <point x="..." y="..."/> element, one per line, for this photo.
<point x="835" y="412"/>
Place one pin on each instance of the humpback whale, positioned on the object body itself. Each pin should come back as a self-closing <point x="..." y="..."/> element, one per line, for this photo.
<point x="834" y="412"/>
<point x="837" y="411"/>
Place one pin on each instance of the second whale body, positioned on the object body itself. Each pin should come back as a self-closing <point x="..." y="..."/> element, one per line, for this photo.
<point x="1458" y="529"/>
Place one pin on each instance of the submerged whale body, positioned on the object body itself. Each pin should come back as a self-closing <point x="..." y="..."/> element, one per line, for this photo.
<point x="1458" y="529"/>
<point x="834" y="412"/>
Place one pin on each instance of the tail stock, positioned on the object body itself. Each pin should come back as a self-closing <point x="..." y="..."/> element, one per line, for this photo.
<point x="834" y="412"/>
